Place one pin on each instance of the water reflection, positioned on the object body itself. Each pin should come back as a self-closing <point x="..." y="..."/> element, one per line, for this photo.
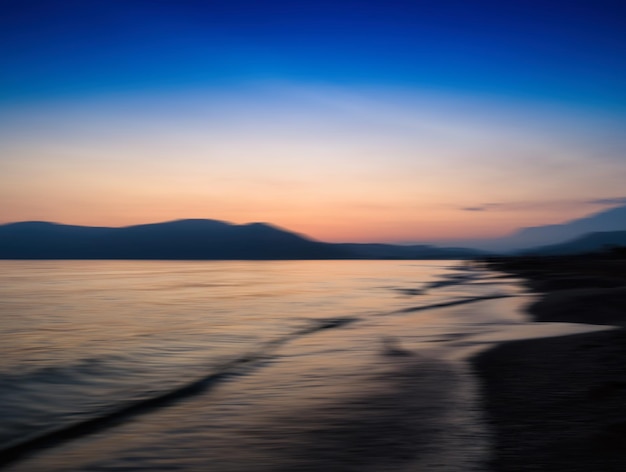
<point x="310" y="382"/>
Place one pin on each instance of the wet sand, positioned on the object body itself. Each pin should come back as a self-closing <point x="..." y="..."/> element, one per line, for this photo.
<point x="559" y="404"/>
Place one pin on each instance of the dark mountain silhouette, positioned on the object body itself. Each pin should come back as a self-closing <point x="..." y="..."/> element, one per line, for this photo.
<point x="613" y="219"/>
<point x="191" y="240"/>
<point x="589" y="243"/>
<point x="184" y="239"/>
<point x="392" y="251"/>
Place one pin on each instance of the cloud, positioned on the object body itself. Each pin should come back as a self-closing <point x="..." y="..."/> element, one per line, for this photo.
<point x="476" y="208"/>
<point x="608" y="201"/>
<point x="543" y="205"/>
<point x="492" y="206"/>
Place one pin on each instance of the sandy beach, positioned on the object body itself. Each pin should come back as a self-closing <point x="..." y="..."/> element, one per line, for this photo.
<point x="558" y="404"/>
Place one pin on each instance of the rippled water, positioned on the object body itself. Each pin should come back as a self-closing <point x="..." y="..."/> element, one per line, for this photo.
<point x="237" y="366"/>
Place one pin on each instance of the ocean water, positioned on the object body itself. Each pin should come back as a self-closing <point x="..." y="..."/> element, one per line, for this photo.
<point x="240" y="366"/>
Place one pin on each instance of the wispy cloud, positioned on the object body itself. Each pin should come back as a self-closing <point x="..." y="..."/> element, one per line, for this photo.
<point x="497" y="206"/>
<point x="475" y="208"/>
<point x="608" y="201"/>
<point x="545" y="205"/>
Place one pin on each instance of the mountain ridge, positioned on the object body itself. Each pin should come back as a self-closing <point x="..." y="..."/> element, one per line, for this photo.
<point x="590" y="242"/>
<point x="612" y="219"/>
<point x="193" y="239"/>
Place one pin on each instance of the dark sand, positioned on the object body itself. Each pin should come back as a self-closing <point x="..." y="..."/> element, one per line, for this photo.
<point x="559" y="404"/>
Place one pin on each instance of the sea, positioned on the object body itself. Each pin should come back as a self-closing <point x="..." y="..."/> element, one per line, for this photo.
<point x="251" y="365"/>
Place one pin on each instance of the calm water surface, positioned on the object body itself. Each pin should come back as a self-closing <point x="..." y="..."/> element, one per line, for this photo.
<point x="237" y="366"/>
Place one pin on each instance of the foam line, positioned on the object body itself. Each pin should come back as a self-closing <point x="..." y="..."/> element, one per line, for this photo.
<point x="41" y="440"/>
<point x="463" y="301"/>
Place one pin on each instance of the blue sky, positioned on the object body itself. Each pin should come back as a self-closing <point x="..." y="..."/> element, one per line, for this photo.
<point x="360" y="115"/>
<point x="571" y="51"/>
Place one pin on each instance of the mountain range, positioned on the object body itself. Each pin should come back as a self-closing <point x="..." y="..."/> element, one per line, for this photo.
<point x="531" y="238"/>
<point x="588" y="243"/>
<point x="202" y="239"/>
<point x="193" y="240"/>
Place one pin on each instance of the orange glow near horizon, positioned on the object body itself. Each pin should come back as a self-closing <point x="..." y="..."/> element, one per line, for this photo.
<point x="328" y="222"/>
<point x="334" y="165"/>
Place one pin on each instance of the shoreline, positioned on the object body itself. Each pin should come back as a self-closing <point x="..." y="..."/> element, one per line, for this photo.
<point x="559" y="404"/>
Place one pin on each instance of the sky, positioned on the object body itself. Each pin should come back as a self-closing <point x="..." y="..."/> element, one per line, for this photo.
<point x="345" y="120"/>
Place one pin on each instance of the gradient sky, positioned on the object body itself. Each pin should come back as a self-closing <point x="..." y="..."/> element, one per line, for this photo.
<point x="345" y="120"/>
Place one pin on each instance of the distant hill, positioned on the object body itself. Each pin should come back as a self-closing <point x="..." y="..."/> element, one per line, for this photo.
<point x="613" y="219"/>
<point x="392" y="251"/>
<point x="191" y="240"/>
<point x="184" y="239"/>
<point x="589" y="243"/>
